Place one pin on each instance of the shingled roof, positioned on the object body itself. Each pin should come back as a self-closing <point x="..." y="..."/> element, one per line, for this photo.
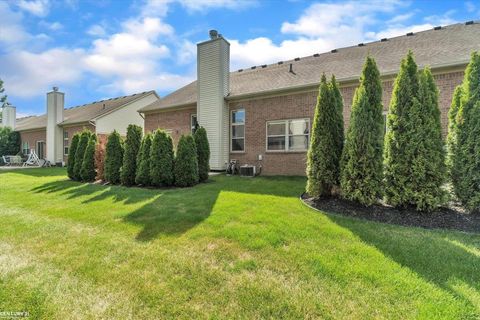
<point x="82" y="113"/>
<point x="441" y="46"/>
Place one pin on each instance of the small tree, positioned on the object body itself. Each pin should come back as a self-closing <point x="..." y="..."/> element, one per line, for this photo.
<point x="113" y="158"/>
<point x="132" y="146"/>
<point x="400" y="139"/>
<point x="100" y="151"/>
<point x="203" y="153"/>
<point x="80" y="153"/>
<point x="186" y="162"/>
<point x="362" y="172"/>
<point x="427" y="171"/>
<point x="88" y="164"/>
<point x="466" y="158"/>
<point x="161" y="160"/>
<point x="71" y="156"/>
<point x="325" y="143"/>
<point x="452" y="128"/>
<point x="143" y="160"/>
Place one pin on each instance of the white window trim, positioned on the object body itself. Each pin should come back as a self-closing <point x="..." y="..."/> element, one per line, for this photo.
<point x="36" y="147"/>
<point x="25" y="143"/>
<point x="68" y="146"/>
<point x="244" y="131"/>
<point x="286" y="135"/>
<point x="192" y="126"/>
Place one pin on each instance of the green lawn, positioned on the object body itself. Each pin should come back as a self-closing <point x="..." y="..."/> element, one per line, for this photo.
<point x="230" y="248"/>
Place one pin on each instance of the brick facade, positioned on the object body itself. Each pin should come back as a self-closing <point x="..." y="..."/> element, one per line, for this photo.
<point x="71" y="132"/>
<point x="299" y="105"/>
<point x="32" y="137"/>
<point x="176" y="122"/>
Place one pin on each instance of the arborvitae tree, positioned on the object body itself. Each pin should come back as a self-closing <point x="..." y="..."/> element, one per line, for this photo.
<point x="143" y="161"/>
<point x="87" y="172"/>
<point x="132" y="146"/>
<point x="203" y="153"/>
<point x="161" y="160"/>
<point x="80" y="153"/>
<point x="452" y="128"/>
<point x="113" y="158"/>
<point x="326" y="142"/>
<point x="100" y="151"/>
<point x="428" y="170"/>
<point x="338" y="131"/>
<point x="186" y="162"/>
<point x="466" y="159"/>
<point x="400" y="139"/>
<point x="71" y="156"/>
<point x="362" y="169"/>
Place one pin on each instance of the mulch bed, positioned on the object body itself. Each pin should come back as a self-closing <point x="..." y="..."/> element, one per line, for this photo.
<point x="453" y="217"/>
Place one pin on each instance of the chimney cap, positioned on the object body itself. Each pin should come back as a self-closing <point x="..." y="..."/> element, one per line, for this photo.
<point x="213" y="34"/>
<point x="55" y="89"/>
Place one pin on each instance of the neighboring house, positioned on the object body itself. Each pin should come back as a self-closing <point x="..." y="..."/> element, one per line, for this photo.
<point x="262" y="115"/>
<point x="50" y="134"/>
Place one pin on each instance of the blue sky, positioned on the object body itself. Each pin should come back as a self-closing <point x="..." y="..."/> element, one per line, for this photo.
<point x="96" y="49"/>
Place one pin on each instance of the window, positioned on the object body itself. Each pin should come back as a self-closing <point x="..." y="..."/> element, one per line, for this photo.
<point x="193" y="123"/>
<point x="288" y="135"/>
<point x="384" y="113"/>
<point x="25" y="148"/>
<point x="238" y="130"/>
<point x="65" y="143"/>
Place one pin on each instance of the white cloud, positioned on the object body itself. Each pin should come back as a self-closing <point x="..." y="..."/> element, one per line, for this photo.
<point x="202" y="5"/>
<point x="38" y="8"/>
<point x="97" y="31"/>
<point x="149" y="28"/>
<point x="31" y="74"/>
<point x="470" y="6"/>
<point x="53" y="26"/>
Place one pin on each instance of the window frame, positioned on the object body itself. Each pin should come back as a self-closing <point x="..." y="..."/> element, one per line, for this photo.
<point x="287" y="136"/>
<point x="68" y="143"/>
<point x="238" y="124"/>
<point x="192" y="125"/>
<point x="25" y="143"/>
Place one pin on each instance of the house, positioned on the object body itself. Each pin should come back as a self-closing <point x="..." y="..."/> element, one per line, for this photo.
<point x="50" y="134"/>
<point x="262" y="115"/>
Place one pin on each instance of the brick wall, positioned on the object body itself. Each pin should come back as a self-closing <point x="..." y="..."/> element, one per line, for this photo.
<point x="301" y="105"/>
<point x="32" y="137"/>
<point x="177" y="122"/>
<point x="71" y="132"/>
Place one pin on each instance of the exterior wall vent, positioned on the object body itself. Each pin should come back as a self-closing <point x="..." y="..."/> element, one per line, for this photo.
<point x="437" y="28"/>
<point x="280" y="62"/>
<point x="297" y="59"/>
<point x="240" y="70"/>
<point x="361" y="44"/>
<point x="253" y="68"/>
<point x="409" y="34"/>
<point x="334" y="50"/>
<point x="316" y="55"/>
<point x="469" y="22"/>
<point x="264" y="66"/>
<point x="384" y="40"/>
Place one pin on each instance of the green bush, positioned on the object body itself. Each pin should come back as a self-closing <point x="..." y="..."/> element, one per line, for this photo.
<point x="326" y="142"/>
<point x="452" y="128"/>
<point x="161" y="160"/>
<point x="399" y="140"/>
<point x="10" y="142"/>
<point x="113" y="158"/>
<point x="466" y="158"/>
<point x="132" y="146"/>
<point x="80" y="153"/>
<point x="143" y="168"/>
<point x="186" y="162"/>
<point x="362" y="171"/>
<point x="87" y="171"/>
<point x="203" y="153"/>
<point x="71" y="156"/>
<point x="428" y="170"/>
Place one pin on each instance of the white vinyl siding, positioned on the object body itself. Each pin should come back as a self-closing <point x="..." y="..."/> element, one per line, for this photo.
<point x="288" y="135"/>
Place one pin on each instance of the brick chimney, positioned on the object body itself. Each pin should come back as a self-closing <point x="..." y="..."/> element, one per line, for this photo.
<point x="55" y="106"/>
<point x="213" y="85"/>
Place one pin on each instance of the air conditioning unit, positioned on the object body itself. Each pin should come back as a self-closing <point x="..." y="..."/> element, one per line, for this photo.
<point x="247" y="171"/>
